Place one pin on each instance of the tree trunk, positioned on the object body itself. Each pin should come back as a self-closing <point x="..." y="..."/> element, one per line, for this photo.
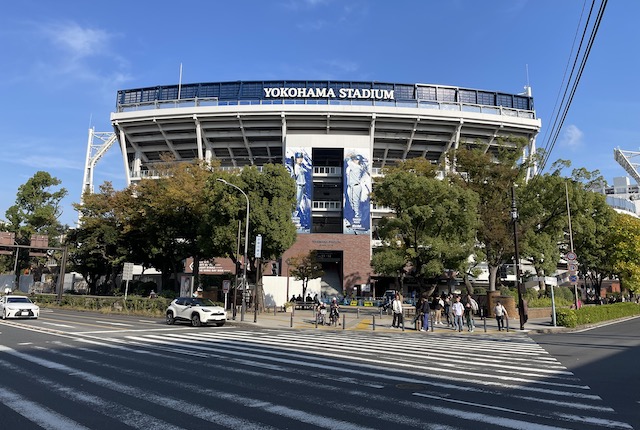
<point x="493" y="274"/>
<point x="468" y="284"/>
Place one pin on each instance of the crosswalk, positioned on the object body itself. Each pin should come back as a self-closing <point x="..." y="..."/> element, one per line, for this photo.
<point x="272" y="379"/>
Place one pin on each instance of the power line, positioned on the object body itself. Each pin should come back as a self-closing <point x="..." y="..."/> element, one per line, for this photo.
<point x="560" y="118"/>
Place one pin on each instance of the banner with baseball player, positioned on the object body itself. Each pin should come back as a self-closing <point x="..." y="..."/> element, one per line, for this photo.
<point x="300" y="167"/>
<point x="357" y="192"/>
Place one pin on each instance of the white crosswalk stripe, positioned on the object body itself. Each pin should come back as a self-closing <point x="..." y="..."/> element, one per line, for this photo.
<point x="275" y="379"/>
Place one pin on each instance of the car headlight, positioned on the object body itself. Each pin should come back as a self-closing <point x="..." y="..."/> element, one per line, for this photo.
<point x="206" y="310"/>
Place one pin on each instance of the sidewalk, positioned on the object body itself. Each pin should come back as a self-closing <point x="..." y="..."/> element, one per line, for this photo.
<point x="364" y="319"/>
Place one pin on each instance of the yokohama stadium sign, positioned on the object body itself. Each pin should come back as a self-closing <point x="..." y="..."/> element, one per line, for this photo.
<point x="328" y="93"/>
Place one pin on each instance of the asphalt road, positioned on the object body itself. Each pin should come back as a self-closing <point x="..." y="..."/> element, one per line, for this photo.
<point x="607" y="358"/>
<point x="82" y="370"/>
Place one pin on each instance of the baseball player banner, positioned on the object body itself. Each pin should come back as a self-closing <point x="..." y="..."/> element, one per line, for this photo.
<point x="357" y="192"/>
<point x="299" y="165"/>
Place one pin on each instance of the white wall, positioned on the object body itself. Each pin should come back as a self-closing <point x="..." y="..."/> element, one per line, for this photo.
<point x="275" y="289"/>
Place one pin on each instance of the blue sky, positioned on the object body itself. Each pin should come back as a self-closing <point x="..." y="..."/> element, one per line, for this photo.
<point x="64" y="61"/>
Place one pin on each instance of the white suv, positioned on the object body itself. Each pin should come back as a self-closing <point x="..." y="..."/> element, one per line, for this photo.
<point x="197" y="311"/>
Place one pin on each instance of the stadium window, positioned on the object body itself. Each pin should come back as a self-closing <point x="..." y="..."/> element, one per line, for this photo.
<point x="486" y="98"/>
<point x="467" y="96"/>
<point x="505" y="100"/>
<point x="446" y="95"/>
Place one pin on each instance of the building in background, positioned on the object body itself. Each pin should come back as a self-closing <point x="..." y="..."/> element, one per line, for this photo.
<point x="334" y="136"/>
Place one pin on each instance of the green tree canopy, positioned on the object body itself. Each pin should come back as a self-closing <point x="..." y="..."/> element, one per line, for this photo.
<point x="434" y="224"/>
<point x="624" y="246"/>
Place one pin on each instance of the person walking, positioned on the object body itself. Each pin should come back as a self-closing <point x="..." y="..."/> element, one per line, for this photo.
<point x="396" y="307"/>
<point x="501" y="314"/>
<point x="458" y="312"/>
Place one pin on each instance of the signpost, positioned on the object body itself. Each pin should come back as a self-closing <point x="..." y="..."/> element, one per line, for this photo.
<point x="226" y="285"/>
<point x="127" y="275"/>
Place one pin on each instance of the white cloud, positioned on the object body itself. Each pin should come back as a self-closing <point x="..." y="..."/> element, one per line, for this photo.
<point x="78" y="41"/>
<point x="571" y="137"/>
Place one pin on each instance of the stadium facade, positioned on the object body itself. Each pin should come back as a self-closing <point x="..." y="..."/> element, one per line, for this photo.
<point x="334" y="137"/>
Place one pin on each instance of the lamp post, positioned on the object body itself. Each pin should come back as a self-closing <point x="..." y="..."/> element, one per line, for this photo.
<point x="246" y="247"/>
<point x="519" y="286"/>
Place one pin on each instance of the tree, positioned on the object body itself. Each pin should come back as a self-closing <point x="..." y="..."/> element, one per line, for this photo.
<point x="36" y="211"/>
<point x="165" y="219"/>
<point x="491" y="175"/>
<point x="433" y="226"/>
<point x="271" y="194"/>
<point x="98" y="245"/>
<point x="305" y="267"/>
<point x="543" y="218"/>
<point x="624" y="245"/>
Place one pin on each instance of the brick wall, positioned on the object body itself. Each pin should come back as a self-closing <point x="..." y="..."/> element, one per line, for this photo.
<point x="356" y="254"/>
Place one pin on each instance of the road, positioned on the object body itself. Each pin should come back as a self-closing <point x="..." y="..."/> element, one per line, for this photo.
<point x="606" y="357"/>
<point x="74" y="370"/>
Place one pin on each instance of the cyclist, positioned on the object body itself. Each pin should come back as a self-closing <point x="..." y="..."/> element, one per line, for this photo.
<point x="322" y="313"/>
<point x="334" y="314"/>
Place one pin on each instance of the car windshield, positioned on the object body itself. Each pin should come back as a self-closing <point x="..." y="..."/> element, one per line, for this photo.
<point x="202" y="302"/>
<point x="18" y="300"/>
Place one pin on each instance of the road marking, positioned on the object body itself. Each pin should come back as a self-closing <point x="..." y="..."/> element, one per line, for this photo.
<point x="58" y="325"/>
<point x="44" y="417"/>
<point x="113" y="323"/>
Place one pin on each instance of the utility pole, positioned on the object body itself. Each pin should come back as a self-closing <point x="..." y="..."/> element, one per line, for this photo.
<point x="519" y="285"/>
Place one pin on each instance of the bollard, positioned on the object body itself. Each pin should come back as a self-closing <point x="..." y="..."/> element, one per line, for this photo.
<point x="484" y="319"/>
<point x="316" y="321"/>
<point x="380" y="313"/>
<point x="343" y="320"/>
<point x="275" y="310"/>
<point x="431" y="322"/>
<point x="374" y="322"/>
<point x="507" y="320"/>
<point x="358" y="313"/>
<point x="291" y="324"/>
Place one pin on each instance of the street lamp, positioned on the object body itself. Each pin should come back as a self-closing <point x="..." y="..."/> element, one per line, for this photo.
<point x="246" y="246"/>
<point x="519" y="285"/>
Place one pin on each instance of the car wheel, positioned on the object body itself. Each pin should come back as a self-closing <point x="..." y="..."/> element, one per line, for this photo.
<point x="195" y="320"/>
<point x="170" y="320"/>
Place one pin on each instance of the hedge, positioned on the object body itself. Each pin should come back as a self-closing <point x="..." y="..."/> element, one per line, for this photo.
<point x="133" y="305"/>
<point x="595" y="314"/>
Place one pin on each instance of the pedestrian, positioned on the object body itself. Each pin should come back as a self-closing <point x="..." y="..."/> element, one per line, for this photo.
<point x="396" y="307"/>
<point x="468" y="315"/>
<point x="501" y="314"/>
<point x="417" y="319"/>
<point x="436" y="307"/>
<point x="425" y="311"/>
<point x="458" y="312"/>
<point x="447" y="310"/>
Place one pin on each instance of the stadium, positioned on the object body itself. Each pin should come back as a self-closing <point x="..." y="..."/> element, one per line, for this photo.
<point x="334" y="136"/>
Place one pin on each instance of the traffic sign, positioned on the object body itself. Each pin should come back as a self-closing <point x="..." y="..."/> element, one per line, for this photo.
<point x="226" y="284"/>
<point x="573" y="279"/>
<point x="127" y="272"/>
<point x="259" y="246"/>
<point x="573" y="267"/>
<point x="571" y="256"/>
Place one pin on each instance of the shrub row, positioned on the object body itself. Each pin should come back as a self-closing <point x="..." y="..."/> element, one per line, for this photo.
<point x="595" y="314"/>
<point x="133" y="305"/>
